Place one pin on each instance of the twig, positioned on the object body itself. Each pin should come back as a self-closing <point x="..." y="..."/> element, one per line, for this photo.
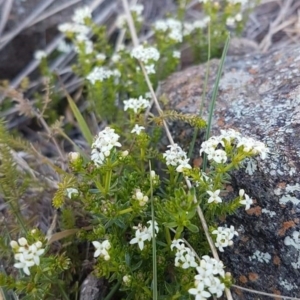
<point x="265" y="294"/>
<point x="10" y="35"/>
<point x="5" y="14"/>
<point x="170" y="138"/>
<point x="267" y="41"/>
<point x="52" y="12"/>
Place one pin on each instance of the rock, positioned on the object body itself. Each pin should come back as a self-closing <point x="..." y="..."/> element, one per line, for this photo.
<point x="259" y="95"/>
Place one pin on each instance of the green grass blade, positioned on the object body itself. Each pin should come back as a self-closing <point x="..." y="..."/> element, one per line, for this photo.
<point x="154" y="261"/>
<point x="214" y="96"/>
<point x="81" y="122"/>
<point x="192" y="144"/>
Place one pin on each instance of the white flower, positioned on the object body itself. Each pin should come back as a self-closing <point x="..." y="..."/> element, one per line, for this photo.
<point x="145" y="54"/>
<point x="77" y="29"/>
<point x="177" y="54"/>
<point x="64" y="47"/>
<point x="106" y="140"/>
<point x="149" y="230"/>
<point x="101" y="56"/>
<point x="100" y="74"/>
<point x="26" y="255"/>
<point x="71" y="191"/>
<point x="82" y="13"/>
<point x="115" y="58"/>
<point x="136" y="105"/>
<point x="239" y="17"/>
<point x="24" y="264"/>
<point x="230" y="21"/>
<point x="150" y="69"/>
<point x="214" y="197"/>
<point x="138" y="9"/>
<point x="199" y="292"/>
<point x="206" y="278"/>
<point x="102" y="249"/>
<point x="143" y="233"/>
<point x="73" y="156"/>
<point x="247" y="201"/>
<point x="183" y="164"/>
<point x="176" y="157"/>
<point x="224" y="237"/>
<point x="127" y="279"/>
<point x="137" y="129"/>
<point x="219" y="156"/>
<point x="40" y="54"/>
<point x="216" y="287"/>
<point x="138" y="195"/>
<point x="140" y="238"/>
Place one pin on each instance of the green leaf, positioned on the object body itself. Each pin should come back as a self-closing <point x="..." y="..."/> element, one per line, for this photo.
<point x="81" y="122"/>
<point x="171" y="224"/>
<point x="193" y="228"/>
<point x="127" y="259"/>
<point x="136" y="266"/>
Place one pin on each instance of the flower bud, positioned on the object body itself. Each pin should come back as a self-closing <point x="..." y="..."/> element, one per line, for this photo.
<point x="73" y="156"/>
<point x="125" y="153"/>
<point x="242" y="193"/>
<point x="14" y="244"/>
<point x="22" y="241"/>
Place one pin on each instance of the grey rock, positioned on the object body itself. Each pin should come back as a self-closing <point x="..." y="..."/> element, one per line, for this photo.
<point x="259" y="95"/>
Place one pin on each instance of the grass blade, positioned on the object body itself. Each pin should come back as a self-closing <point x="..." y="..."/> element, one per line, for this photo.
<point x="81" y="122"/>
<point x="214" y="96"/>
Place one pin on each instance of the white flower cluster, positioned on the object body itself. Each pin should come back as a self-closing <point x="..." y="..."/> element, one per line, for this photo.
<point x="139" y="196"/>
<point x="64" y="47"/>
<point x="79" y="29"/>
<point x="146" y="55"/>
<point x="39" y="55"/>
<point x="137" y="9"/>
<point x="101" y="73"/>
<point x="219" y="155"/>
<point x="26" y="255"/>
<point x="185" y="257"/>
<point x="172" y="26"/>
<point x="188" y="28"/>
<point x="230" y="21"/>
<point x="103" y="144"/>
<point x="207" y="281"/>
<point x="245" y="199"/>
<point x="143" y="233"/>
<point x="102" y="249"/>
<point x="176" y="157"/>
<point x="80" y="14"/>
<point x="242" y="2"/>
<point x="136" y="104"/>
<point x="224" y="237"/>
<point x="176" y="30"/>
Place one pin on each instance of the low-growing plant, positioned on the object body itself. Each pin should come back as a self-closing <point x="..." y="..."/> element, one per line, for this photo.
<point x="143" y="215"/>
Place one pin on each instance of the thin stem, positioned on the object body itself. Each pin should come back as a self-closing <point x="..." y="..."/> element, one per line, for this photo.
<point x="154" y="259"/>
<point x="263" y="293"/>
<point x="214" y="96"/>
<point x="113" y="290"/>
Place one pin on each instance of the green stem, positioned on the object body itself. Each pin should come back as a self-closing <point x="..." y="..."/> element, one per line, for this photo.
<point x="113" y="290"/>
<point x="125" y="211"/>
<point x="108" y="181"/>
<point x="154" y="261"/>
<point x="168" y="236"/>
<point x="214" y="96"/>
